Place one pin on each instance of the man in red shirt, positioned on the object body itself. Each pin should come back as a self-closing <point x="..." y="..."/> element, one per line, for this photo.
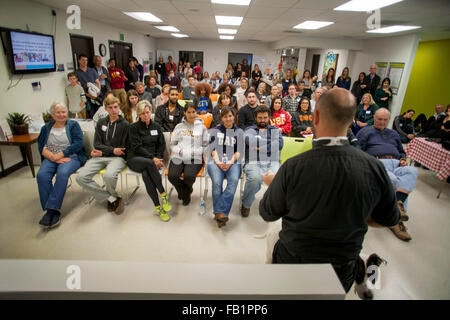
<point x="117" y="82"/>
<point x="170" y="66"/>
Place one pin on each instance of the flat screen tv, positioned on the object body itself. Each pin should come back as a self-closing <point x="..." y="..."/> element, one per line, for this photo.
<point x="29" y="52"/>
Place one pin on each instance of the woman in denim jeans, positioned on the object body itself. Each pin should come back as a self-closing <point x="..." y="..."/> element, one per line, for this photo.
<point x="60" y="144"/>
<point x="227" y="144"/>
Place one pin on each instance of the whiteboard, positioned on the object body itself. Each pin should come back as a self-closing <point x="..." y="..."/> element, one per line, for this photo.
<point x="165" y="54"/>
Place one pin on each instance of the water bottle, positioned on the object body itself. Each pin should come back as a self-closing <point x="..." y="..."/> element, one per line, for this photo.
<point x="202" y="207"/>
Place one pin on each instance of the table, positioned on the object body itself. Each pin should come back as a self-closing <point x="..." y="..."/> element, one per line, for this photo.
<point x="430" y="154"/>
<point x="24" y="141"/>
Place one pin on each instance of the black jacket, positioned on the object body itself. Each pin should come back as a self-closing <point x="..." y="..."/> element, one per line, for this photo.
<point x="371" y="85"/>
<point x="146" y="141"/>
<point x="246" y="117"/>
<point x="162" y="116"/>
<point x="111" y="135"/>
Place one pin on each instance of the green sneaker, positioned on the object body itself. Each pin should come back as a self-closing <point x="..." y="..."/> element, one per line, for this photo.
<point x="162" y="214"/>
<point x="165" y="202"/>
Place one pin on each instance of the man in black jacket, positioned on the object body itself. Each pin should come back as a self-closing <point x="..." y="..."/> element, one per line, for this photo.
<point x="171" y="113"/>
<point x="371" y="82"/>
<point x="110" y="145"/>
<point x="246" y="114"/>
<point x="329" y="195"/>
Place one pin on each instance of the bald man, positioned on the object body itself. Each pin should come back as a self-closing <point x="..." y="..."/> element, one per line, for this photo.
<point x="385" y="144"/>
<point x="371" y="82"/>
<point x="329" y="195"/>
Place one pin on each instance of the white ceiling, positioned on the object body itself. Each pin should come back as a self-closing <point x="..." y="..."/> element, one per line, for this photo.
<point x="264" y="20"/>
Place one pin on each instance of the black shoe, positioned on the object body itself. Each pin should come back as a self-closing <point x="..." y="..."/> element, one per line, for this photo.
<point x="46" y="220"/>
<point x="118" y="206"/>
<point x="245" y="212"/>
<point x="187" y="201"/>
<point x="56" y="219"/>
<point x="110" y="206"/>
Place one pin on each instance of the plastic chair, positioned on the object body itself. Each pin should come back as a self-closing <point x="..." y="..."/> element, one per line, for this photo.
<point x="293" y="147"/>
<point x="207" y="119"/>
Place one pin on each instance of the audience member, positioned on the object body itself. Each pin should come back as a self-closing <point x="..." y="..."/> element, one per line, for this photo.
<point x="227" y="144"/>
<point x="328" y="80"/>
<point x="302" y="119"/>
<point x="117" y="82"/>
<point x="229" y="89"/>
<point x="364" y="113"/>
<point x="173" y="80"/>
<point x="404" y="126"/>
<point x="169" y="114"/>
<point x="238" y="72"/>
<point x="142" y="94"/>
<point x="164" y="96"/>
<point x="198" y="68"/>
<point x="280" y="118"/>
<point x="140" y="69"/>
<point x="87" y="75"/>
<point x="131" y="74"/>
<point x="152" y="87"/>
<point x="315" y="97"/>
<point x="202" y="101"/>
<point x="160" y="68"/>
<point x="371" y="82"/>
<point x="344" y="81"/>
<point x="103" y="75"/>
<point x="307" y="80"/>
<point x="145" y="155"/>
<point x="440" y="129"/>
<point x="214" y="82"/>
<point x="170" y="66"/>
<point x="189" y="90"/>
<point x="385" y="145"/>
<point x="425" y="124"/>
<point x="256" y="77"/>
<point x="224" y="100"/>
<point x="300" y="90"/>
<point x="187" y="144"/>
<point x="130" y="110"/>
<point x="383" y="94"/>
<point x="240" y="93"/>
<point x="290" y="102"/>
<point x="188" y="69"/>
<point x="323" y="223"/>
<point x="246" y="115"/>
<point x="263" y="143"/>
<point x="261" y="93"/>
<point x="60" y="144"/>
<point x="357" y="89"/>
<point x="246" y="68"/>
<point x="286" y="82"/>
<point x="76" y="99"/>
<point x="180" y="73"/>
<point x="273" y="93"/>
<point x="101" y="112"/>
<point x="110" y="147"/>
<point x="229" y="69"/>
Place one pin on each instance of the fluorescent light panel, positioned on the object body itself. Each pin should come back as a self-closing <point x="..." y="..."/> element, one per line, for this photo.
<point x="229" y="20"/>
<point x="392" y="29"/>
<point x="143" y="16"/>
<point x="227" y="31"/>
<point x="312" y="25"/>
<point x="365" y="5"/>
<point x="167" y="28"/>
<point x="232" y="2"/>
<point x="227" y="37"/>
<point x="179" y="35"/>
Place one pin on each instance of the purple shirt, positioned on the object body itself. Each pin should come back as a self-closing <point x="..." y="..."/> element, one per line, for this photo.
<point x="378" y="143"/>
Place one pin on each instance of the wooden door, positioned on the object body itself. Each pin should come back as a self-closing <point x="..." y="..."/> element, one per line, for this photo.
<point x="82" y="45"/>
<point x="315" y="65"/>
<point x="121" y="52"/>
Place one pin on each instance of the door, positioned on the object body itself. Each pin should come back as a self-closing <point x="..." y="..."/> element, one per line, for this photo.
<point x="121" y="52"/>
<point x="315" y="65"/>
<point x="82" y="45"/>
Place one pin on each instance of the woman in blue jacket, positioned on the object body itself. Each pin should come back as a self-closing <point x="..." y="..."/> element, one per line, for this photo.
<point x="61" y="147"/>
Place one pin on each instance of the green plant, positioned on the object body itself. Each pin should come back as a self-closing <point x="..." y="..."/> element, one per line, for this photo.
<point x="47" y="116"/>
<point x="18" y="119"/>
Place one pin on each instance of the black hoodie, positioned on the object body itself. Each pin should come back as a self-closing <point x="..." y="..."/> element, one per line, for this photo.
<point x="111" y="135"/>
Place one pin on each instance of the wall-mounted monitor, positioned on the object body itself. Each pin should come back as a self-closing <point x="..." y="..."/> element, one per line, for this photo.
<point x="29" y="52"/>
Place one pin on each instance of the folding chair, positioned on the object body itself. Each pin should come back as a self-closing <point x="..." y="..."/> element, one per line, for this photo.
<point x="293" y="147"/>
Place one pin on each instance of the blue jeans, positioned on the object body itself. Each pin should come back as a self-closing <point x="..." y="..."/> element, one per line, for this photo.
<point x="254" y="172"/>
<point x="223" y="199"/>
<point x="52" y="196"/>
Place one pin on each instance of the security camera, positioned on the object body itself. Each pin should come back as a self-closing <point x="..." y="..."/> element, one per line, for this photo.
<point x="147" y="35"/>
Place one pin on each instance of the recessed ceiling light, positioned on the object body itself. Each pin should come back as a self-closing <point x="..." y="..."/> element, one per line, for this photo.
<point x="233" y="2"/>
<point x="229" y="20"/>
<point x="312" y="25"/>
<point x="227" y="37"/>
<point x="227" y="31"/>
<point x="393" y="29"/>
<point x="365" y="5"/>
<point x="179" y="35"/>
<point x="143" y="16"/>
<point x="167" y="28"/>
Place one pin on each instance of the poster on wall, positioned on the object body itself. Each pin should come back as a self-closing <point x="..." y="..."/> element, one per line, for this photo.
<point x="395" y="72"/>
<point x="165" y="54"/>
<point x="331" y="60"/>
<point x="382" y="69"/>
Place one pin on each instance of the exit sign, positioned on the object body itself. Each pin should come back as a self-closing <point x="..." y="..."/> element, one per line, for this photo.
<point x="121" y="37"/>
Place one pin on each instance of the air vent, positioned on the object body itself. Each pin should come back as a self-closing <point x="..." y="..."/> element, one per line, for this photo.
<point x="293" y="31"/>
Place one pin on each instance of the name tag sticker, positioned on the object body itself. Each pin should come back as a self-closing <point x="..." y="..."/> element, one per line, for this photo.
<point x="154" y="132"/>
<point x="220" y="135"/>
<point x="104" y="128"/>
<point x="170" y="118"/>
<point x="368" y="112"/>
<point x="283" y="115"/>
<point x="193" y="93"/>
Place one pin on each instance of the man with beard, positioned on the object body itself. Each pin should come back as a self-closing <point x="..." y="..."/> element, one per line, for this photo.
<point x="263" y="143"/>
<point x="171" y="113"/>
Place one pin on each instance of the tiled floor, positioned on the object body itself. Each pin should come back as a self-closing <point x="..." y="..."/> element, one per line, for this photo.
<point x="416" y="270"/>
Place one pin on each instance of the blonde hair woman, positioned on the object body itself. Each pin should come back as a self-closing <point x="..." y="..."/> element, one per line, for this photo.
<point x="365" y="112"/>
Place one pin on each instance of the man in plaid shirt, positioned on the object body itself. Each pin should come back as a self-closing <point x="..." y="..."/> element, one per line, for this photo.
<point x="290" y="102"/>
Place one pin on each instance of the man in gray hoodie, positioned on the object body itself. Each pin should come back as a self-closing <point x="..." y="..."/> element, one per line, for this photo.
<point x="189" y="140"/>
<point x="110" y="145"/>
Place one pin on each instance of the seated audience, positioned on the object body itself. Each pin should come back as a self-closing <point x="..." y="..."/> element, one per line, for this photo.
<point x="280" y="118"/>
<point x="101" y="112"/>
<point x="229" y="69"/>
<point x="344" y="80"/>
<point x="117" y="82"/>
<point x="424" y="124"/>
<point x="384" y="94"/>
<point x="214" y="82"/>
<point x="261" y="93"/>
<point x="246" y="114"/>
<point x="227" y="144"/>
<point x="76" y="99"/>
<point x="357" y="87"/>
<point x="223" y="101"/>
<point x="229" y="89"/>
<point x="404" y="126"/>
<point x="307" y="80"/>
<point x="103" y="75"/>
<point x="290" y="102"/>
<point x="180" y="73"/>
<point x="328" y="80"/>
<point x="143" y="95"/>
<point x="440" y="129"/>
<point x="238" y="72"/>
<point x="173" y="80"/>
<point x="145" y="155"/>
<point x="110" y="147"/>
<point x="302" y="119"/>
<point x="131" y="75"/>
<point x="187" y="144"/>
<point x="274" y="92"/>
<point x="60" y="144"/>
<point x="315" y="97"/>
<point x="385" y="144"/>
<point x="171" y="113"/>
<point x="130" y="112"/>
<point x="206" y="77"/>
<point x="364" y="113"/>
<point x="287" y="81"/>
<point x="202" y="101"/>
<point x="263" y="143"/>
<point x="160" y="69"/>
<point x="88" y="77"/>
<point x="371" y="81"/>
<point x="170" y="66"/>
<point x="140" y="68"/>
<point x="240" y="93"/>
<point x="300" y="90"/>
<point x="189" y="90"/>
<point x="164" y="96"/>
<point x="154" y="89"/>
<point x="198" y="68"/>
<point x="256" y="77"/>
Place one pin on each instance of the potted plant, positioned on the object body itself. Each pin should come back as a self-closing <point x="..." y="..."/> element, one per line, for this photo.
<point x="47" y="116"/>
<point x="18" y="122"/>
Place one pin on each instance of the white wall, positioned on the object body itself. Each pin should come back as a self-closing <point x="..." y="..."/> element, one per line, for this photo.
<point x="215" y="52"/>
<point x="19" y="13"/>
<point x="387" y="49"/>
<point x="341" y="64"/>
